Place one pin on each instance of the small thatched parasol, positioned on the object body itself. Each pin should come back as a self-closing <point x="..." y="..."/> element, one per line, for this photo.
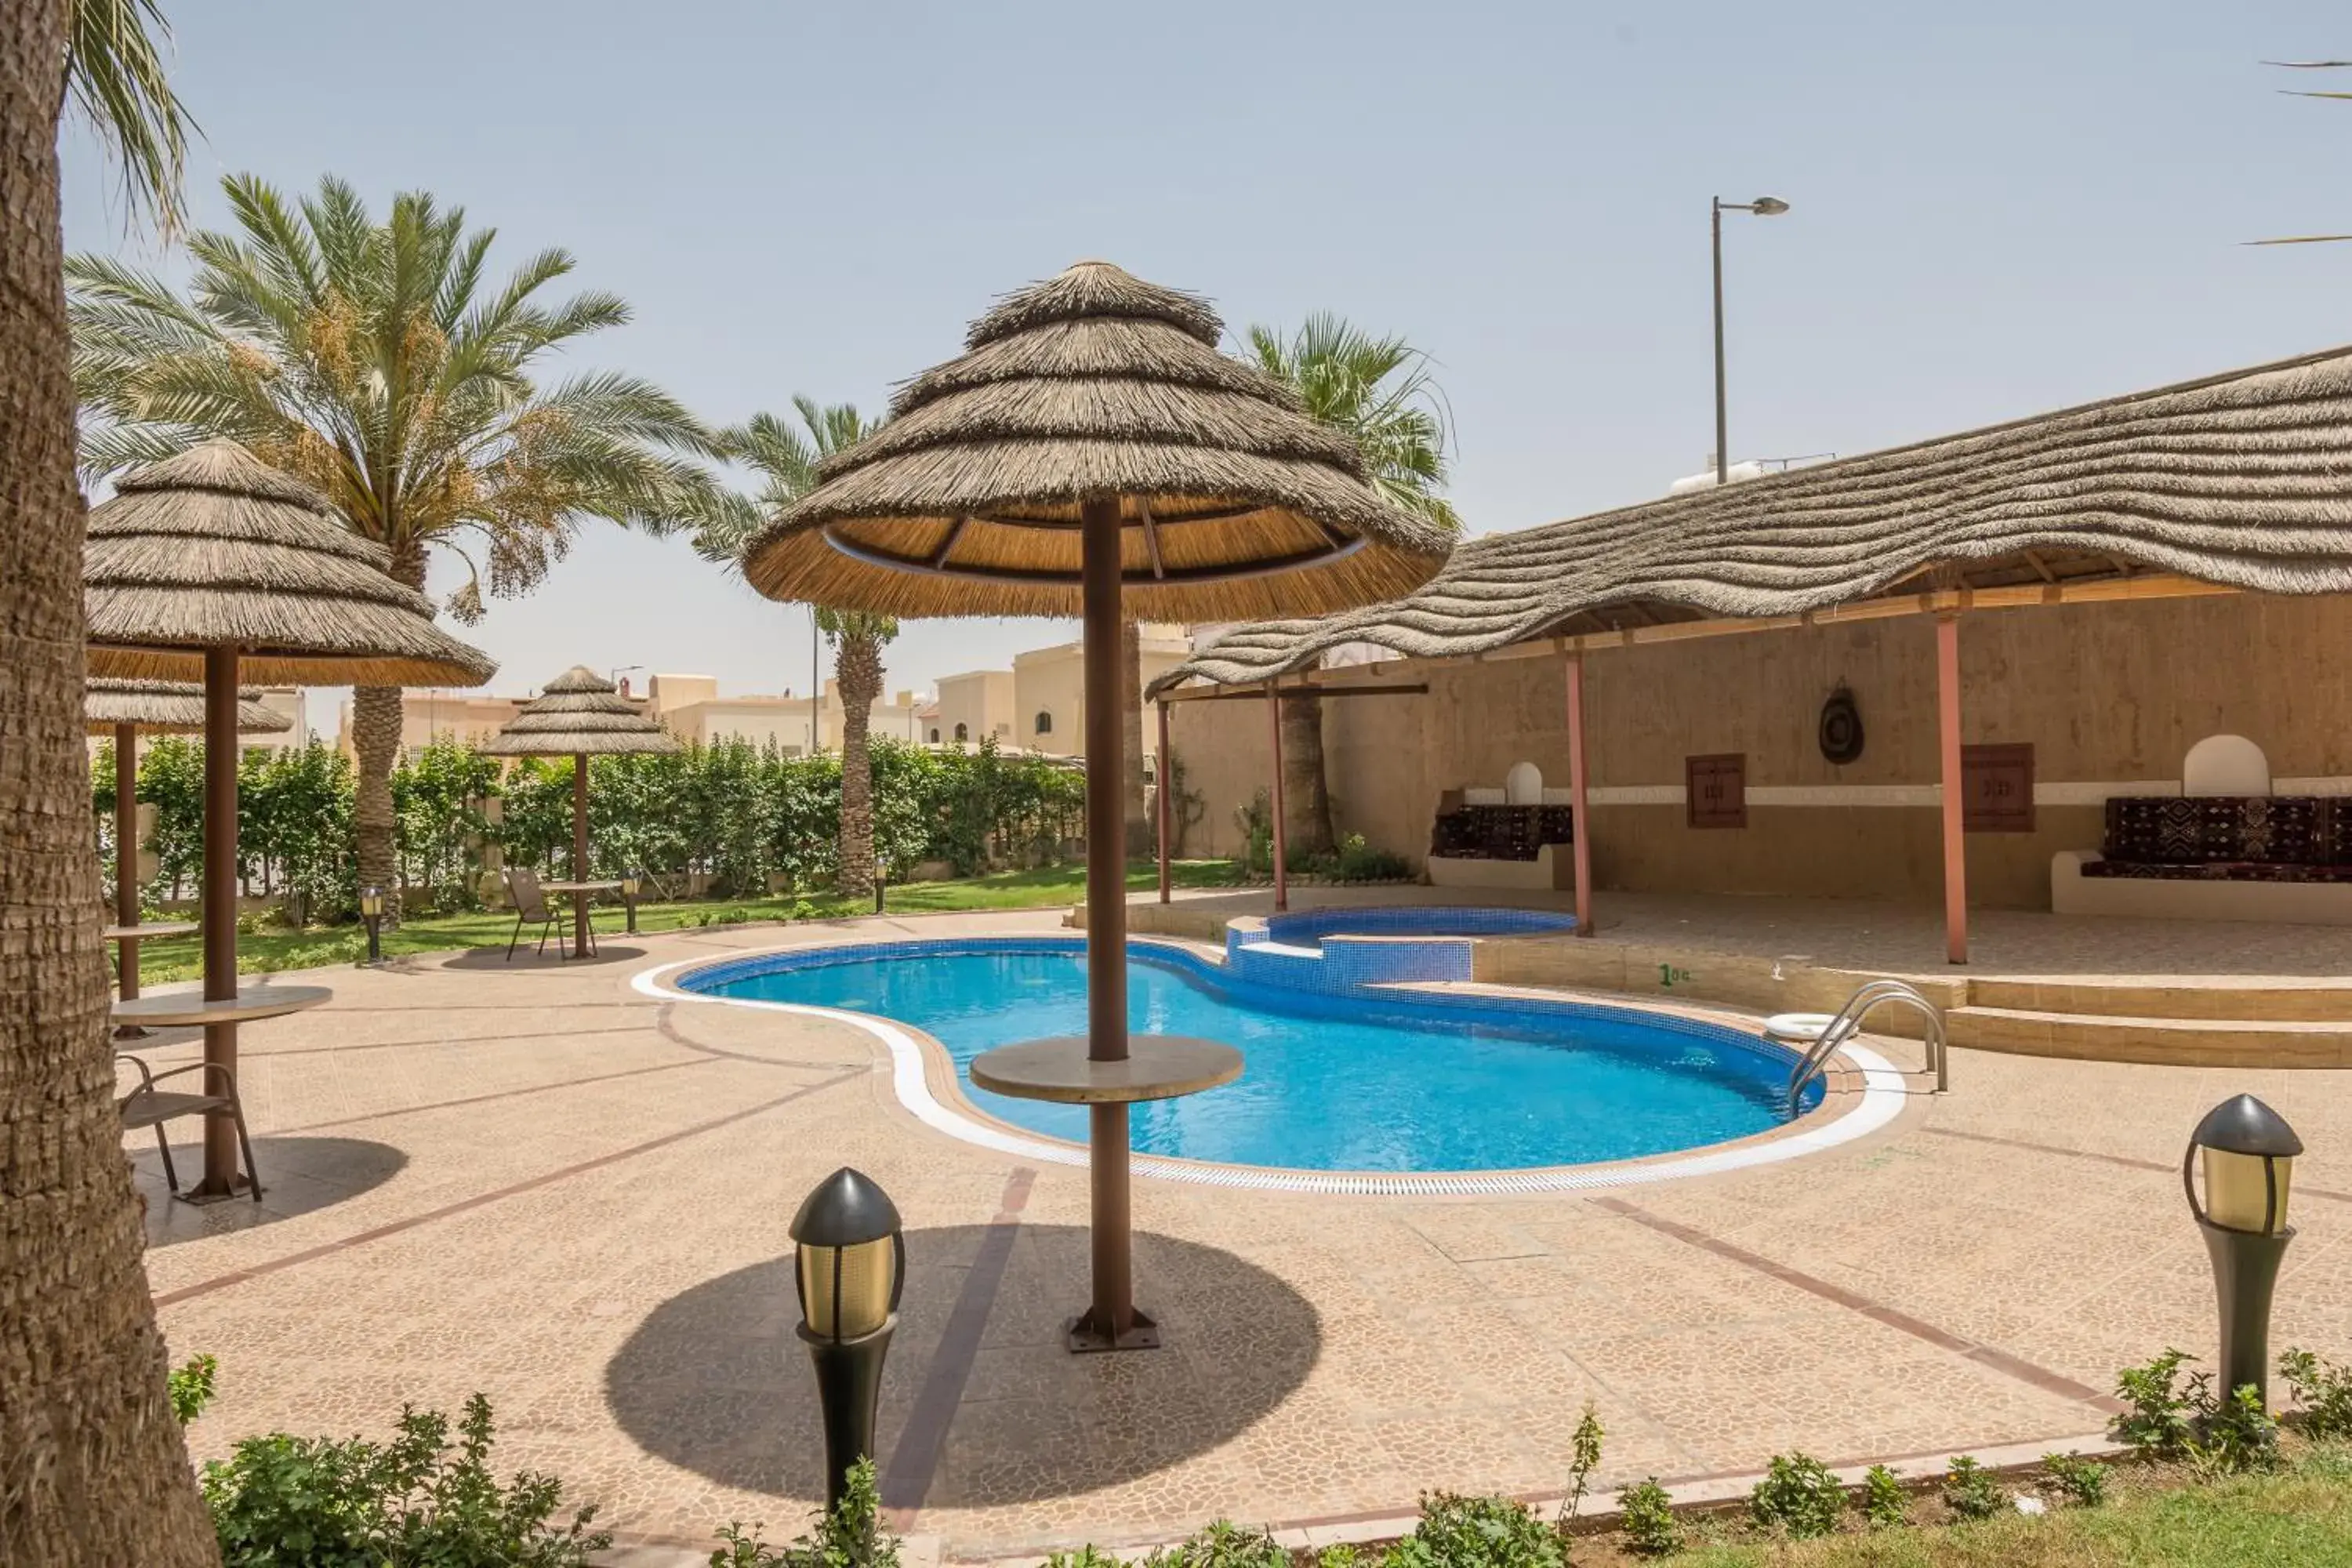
<point x="120" y="708"/>
<point x="1093" y="446"/>
<point x="212" y="564"/>
<point x="580" y="715"/>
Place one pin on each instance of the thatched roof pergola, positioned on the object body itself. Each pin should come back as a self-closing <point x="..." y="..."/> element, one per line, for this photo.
<point x="1233" y="502"/>
<point x="1093" y="452"/>
<point x="109" y="703"/>
<point x="2242" y="480"/>
<point x="579" y="713"/>
<point x="214" y="548"/>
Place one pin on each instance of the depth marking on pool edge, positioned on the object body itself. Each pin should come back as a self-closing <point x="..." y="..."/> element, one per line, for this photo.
<point x="2028" y="1372"/>
<point x="1881" y="1101"/>
<point x="923" y="1440"/>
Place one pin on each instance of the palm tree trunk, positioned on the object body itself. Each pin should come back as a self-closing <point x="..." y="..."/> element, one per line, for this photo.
<point x="93" y="1469"/>
<point x="375" y="743"/>
<point x="1130" y="740"/>
<point x="1307" y="798"/>
<point x="858" y="667"/>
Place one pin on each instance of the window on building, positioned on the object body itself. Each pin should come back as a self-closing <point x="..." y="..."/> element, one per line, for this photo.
<point x="963" y="732"/>
<point x="1045" y="723"/>
<point x="935" y="735"/>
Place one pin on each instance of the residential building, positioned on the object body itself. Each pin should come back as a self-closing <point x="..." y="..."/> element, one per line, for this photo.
<point x="694" y="712"/>
<point x="1049" y="687"/>
<point x="438" y="713"/>
<point x="973" y="707"/>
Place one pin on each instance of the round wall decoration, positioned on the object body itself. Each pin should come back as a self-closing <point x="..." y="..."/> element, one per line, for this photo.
<point x="1840" y="728"/>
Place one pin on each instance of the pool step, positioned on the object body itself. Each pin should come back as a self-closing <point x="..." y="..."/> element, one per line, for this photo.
<point x="2246" y="1001"/>
<point x="2181" y="1042"/>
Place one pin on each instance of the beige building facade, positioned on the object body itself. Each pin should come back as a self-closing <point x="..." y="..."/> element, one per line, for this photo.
<point x="1049" y="689"/>
<point x="975" y="706"/>
<point x="695" y="712"/>
<point x="2109" y="698"/>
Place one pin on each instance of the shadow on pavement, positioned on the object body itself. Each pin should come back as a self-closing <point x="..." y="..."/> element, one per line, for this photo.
<point x="981" y="1403"/>
<point x="298" y="1176"/>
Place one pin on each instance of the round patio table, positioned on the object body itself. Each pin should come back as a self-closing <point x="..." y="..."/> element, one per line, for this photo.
<point x="1156" y="1067"/>
<point x="178" y="1009"/>
<point x="581" y="893"/>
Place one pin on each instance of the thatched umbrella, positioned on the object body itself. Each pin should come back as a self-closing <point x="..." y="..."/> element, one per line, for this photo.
<point x="209" y="564"/>
<point x="580" y="715"/>
<point x="121" y="708"/>
<point x="1094" y="452"/>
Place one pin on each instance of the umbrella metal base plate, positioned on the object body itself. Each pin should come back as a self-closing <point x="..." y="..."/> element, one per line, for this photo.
<point x="201" y="1198"/>
<point x="1087" y="1337"/>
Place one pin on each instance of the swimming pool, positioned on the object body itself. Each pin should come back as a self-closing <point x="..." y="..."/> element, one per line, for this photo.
<point x="1308" y="928"/>
<point x="1450" y="1083"/>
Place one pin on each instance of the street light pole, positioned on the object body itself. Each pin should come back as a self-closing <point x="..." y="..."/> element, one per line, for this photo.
<point x="1762" y="206"/>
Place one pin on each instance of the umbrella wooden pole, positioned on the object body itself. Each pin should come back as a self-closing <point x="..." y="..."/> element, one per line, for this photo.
<point x="1579" y="817"/>
<point x="1113" y="1312"/>
<point x="1167" y="818"/>
<point x="126" y="851"/>
<point x="219" y="906"/>
<point x="580" y="853"/>
<point x="1281" y="836"/>
<point x="1948" y="728"/>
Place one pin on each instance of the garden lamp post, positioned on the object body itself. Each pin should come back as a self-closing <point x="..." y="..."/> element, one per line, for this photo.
<point x="849" y="1267"/>
<point x="629" y="885"/>
<point x="1762" y="206"/>
<point x="2248" y="1156"/>
<point x="371" y="912"/>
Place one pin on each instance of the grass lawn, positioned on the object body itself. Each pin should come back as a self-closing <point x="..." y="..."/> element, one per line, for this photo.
<point x="2158" y="1518"/>
<point x="160" y="962"/>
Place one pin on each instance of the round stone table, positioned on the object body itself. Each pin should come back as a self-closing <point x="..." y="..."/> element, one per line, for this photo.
<point x="1157" y="1066"/>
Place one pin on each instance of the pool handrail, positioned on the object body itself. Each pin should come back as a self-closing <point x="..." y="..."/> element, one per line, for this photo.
<point x="1847" y="1023"/>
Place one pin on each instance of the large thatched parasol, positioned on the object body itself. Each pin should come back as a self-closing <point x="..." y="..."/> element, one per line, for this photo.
<point x="1094" y="452"/>
<point x="121" y="708"/>
<point x="209" y="564"/>
<point x="580" y="715"/>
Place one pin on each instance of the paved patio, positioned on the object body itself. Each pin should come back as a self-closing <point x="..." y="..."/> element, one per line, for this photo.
<point x="539" y="1182"/>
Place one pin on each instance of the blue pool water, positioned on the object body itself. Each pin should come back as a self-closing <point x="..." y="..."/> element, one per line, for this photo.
<point x="1308" y="928"/>
<point x="1330" y="1083"/>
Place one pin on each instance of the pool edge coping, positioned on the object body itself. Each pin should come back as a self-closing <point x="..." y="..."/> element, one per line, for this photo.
<point x="1880" y="1099"/>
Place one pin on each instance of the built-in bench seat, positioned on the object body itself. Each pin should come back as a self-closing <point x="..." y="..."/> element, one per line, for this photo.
<point x="2233" y="857"/>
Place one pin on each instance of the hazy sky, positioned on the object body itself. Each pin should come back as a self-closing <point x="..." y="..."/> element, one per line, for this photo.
<point x="1998" y="209"/>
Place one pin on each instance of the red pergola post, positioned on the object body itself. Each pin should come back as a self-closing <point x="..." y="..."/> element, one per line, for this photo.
<point x="1956" y="857"/>
<point x="1166" y="816"/>
<point x="1281" y="837"/>
<point x="1580" y="816"/>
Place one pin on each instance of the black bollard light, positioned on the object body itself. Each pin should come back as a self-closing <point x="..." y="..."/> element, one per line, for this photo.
<point x="371" y="912"/>
<point x="629" y="895"/>
<point x="2248" y="1156"/>
<point x="881" y="880"/>
<point x="850" y="1265"/>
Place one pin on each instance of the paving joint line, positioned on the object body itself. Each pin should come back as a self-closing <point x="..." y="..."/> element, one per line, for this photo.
<point x="2129" y="1161"/>
<point x="481" y="1099"/>
<point x="2015" y="1367"/>
<point x="482" y="1200"/>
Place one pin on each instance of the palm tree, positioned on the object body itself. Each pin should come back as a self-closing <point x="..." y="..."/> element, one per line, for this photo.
<point x="787" y="461"/>
<point x="371" y="359"/>
<point x="1379" y="391"/>
<point x="92" y="1466"/>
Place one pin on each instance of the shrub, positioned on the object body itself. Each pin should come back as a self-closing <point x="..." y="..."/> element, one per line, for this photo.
<point x="1969" y="1491"/>
<point x="192" y="1387"/>
<point x="1884" y="1502"/>
<point x="1647" y="1516"/>
<point x="848" y="1536"/>
<point x="2160" y="1422"/>
<point x="1358" y="862"/>
<point x="1086" y="1556"/>
<point x="1478" y="1532"/>
<point x="2083" y="1482"/>
<point x="1585" y="1446"/>
<point x="1799" y="1496"/>
<point x="2323" y="1393"/>
<point x="2233" y="1434"/>
<point x="1223" y="1545"/>
<point x="416" y="1503"/>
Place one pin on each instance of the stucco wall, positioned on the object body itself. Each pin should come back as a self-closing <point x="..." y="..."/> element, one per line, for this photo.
<point x="2104" y="693"/>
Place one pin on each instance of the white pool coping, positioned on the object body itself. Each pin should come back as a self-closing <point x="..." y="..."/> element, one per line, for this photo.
<point x="1881" y="1101"/>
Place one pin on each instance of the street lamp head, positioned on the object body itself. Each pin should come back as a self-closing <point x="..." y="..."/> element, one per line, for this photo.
<point x="2250" y="1153"/>
<point x="371" y="903"/>
<point x="1768" y="206"/>
<point x="629" y="885"/>
<point x="851" y="1261"/>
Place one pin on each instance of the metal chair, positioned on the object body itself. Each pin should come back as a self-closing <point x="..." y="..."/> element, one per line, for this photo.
<point x="145" y="1106"/>
<point x="532" y="908"/>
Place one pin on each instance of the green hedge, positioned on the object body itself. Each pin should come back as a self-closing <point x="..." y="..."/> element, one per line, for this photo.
<point x="730" y="811"/>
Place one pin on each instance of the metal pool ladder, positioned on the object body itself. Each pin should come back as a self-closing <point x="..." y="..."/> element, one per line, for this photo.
<point x="1847" y="1023"/>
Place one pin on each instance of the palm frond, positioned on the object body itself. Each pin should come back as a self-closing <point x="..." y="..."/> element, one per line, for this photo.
<point x="115" y="79"/>
<point x="1381" y="391"/>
